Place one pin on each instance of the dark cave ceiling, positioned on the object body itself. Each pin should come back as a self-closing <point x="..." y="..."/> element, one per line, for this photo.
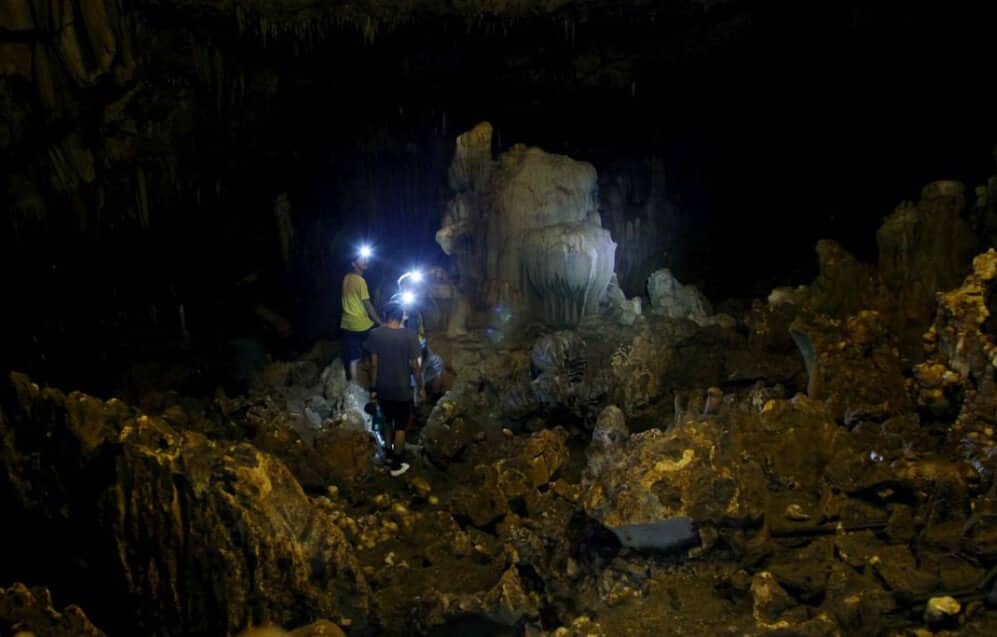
<point x="774" y="123"/>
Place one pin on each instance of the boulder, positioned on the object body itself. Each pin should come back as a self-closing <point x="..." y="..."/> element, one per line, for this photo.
<point x="30" y="611"/>
<point x="671" y="298"/>
<point x="663" y="485"/>
<point x="227" y="536"/>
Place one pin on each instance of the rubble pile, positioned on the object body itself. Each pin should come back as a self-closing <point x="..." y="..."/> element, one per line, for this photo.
<point x="794" y="468"/>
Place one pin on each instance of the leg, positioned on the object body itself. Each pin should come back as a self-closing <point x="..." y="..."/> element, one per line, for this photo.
<point x="352" y="352"/>
<point x="436" y="386"/>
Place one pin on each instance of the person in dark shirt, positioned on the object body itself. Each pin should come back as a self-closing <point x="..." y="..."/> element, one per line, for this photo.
<point x="394" y="360"/>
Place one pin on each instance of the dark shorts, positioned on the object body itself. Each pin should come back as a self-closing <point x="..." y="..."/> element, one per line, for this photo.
<point x="353" y="344"/>
<point x="398" y="414"/>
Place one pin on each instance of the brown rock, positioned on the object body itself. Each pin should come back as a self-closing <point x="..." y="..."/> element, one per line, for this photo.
<point x="222" y="526"/>
<point x="24" y="610"/>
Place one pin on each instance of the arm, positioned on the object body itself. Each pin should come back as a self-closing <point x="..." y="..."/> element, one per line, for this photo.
<point x="420" y="384"/>
<point x="371" y="312"/>
<point x="373" y="374"/>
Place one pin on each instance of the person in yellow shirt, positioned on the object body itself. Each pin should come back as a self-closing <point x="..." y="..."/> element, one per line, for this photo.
<point x="359" y="315"/>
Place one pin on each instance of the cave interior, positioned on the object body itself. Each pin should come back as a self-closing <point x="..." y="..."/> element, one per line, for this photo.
<point x="710" y="284"/>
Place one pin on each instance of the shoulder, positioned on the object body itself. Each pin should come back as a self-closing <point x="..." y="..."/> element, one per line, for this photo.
<point x="354" y="280"/>
<point x="374" y="336"/>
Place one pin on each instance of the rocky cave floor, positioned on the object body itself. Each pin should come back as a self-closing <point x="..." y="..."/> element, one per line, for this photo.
<point x="653" y="475"/>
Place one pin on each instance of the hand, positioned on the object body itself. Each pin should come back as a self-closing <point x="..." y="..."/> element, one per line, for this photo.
<point x="373" y="396"/>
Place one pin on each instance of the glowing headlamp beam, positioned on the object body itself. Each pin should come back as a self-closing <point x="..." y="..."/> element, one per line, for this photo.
<point x="413" y="275"/>
<point x="408" y="298"/>
<point x="366" y="252"/>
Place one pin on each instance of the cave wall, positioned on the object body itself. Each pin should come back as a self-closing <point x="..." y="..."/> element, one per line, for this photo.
<point x="138" y="137"/>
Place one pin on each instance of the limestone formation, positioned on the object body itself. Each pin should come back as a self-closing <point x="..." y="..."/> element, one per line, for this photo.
<point x="566" y="269"/>
<point x="671" y="298"/>
<point x="525" y="232"/>
<point x="958" y="377"/>
<point x="853" y="365"/>
<point x="625" y="311"/>
<point x="843" y="285"/>
<point x="925" y="249"/>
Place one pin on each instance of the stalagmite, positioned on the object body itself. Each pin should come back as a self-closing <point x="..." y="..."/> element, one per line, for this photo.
<point x="525" y="230"/>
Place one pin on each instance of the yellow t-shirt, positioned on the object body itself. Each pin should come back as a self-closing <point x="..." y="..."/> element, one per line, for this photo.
<point x="355" y="293"/>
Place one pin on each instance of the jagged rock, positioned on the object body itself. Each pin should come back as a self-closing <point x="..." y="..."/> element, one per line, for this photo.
<point x="25" y="611"/>
<point x="321" y="628"/>
<point x="666" y="484"/>
<point x="224" y="526"/>
<point x="543" y="454"/>
<point x="958" y="373"/>
<point x="769" y="599"/>
<point x="582" y="626"/>
<point x="561" y="349"/>
<point x="671" y="298"/>
<point x="610" y="429"/>
<point x="734" y="468"/>
<point x="625" y="311"/>
<point x="898" y="569"/>
<point x="345" y="454"/>
<point x="853" y="365"/>
<point x="448" y="432"/>
<point x="843" y="285"/>
<point x="925" y="249"/>
<point x="506" y="604"/>
<point x="512" y="482"/>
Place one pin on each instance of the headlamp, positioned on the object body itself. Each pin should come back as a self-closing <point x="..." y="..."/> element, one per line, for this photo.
<point x="366" y="252"/>
<point x="414" y="276"/>
<point x="408" y="298"/>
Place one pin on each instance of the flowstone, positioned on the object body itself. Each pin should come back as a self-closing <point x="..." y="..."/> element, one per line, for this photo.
<point x="525" y="232"/>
